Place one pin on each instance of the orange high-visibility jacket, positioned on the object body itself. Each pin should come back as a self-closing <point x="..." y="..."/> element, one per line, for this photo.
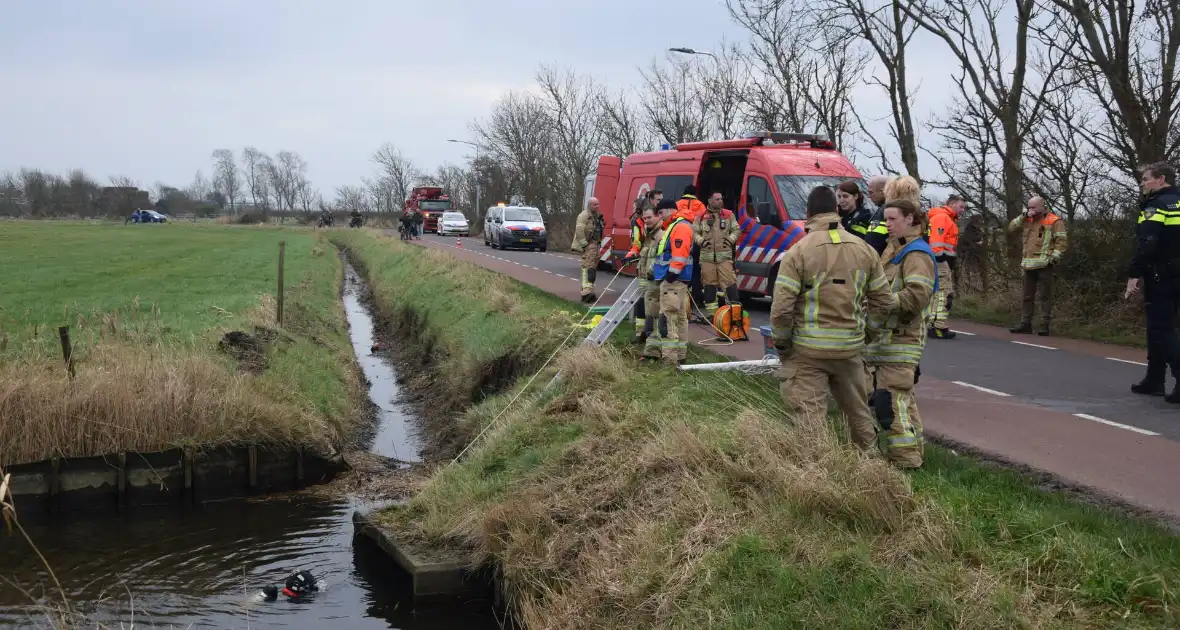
<point x="679" y="244"/>
<point x="943" y="232"/>
<point x="690" y="207"/>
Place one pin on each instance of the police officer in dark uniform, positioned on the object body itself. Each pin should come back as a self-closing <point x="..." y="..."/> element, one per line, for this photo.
<point x="1155" y="268"/>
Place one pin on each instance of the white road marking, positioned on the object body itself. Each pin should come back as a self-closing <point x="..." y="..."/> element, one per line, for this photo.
<point x="1086" y="416"/>
<point x="1033" y="345"/>
<point x="963" y="332"/>
<point x="982" y="389"/>
<point x="1126" y="361"/>
<point x="547" y="271"/>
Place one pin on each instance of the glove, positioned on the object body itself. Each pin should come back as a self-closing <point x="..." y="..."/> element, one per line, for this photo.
<point x="672" y="276"/>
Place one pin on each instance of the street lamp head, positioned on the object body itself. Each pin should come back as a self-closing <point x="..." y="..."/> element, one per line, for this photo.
<point x="687" y="51"/>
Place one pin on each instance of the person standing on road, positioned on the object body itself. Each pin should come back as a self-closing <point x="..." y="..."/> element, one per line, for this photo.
<point x="943" y="234"/>
<point x="825" y="282"/>
<point x="1155" y="268"/>
<point x="878" y="233"/>
<point x="691" y="208"/>
<point x="1043" y="243"/>
<point x="895" y="342"/>
<point x="673" y="269"/>
<point x="653" y="329"/>
<point x="638" y="237"/>
<point x="588" y="232"/>
<point x="715" y="233"/>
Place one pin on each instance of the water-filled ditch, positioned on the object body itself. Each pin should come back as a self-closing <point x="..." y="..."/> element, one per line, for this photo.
<point x="202" y="566"/>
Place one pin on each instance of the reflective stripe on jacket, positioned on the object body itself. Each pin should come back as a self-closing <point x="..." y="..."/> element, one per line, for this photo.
<point x="716" y="235"/>
<point x="1043" y="241"/>
<point x="942" y="232"/>
<point x="913" y="278"/>
<point x="825" y="283"/>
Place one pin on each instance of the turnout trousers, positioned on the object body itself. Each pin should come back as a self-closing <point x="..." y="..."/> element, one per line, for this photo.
<point x="807" y="382"/>
<point x="1038" y="287"/>
<point x="903" y="438"/>
<point x="674" y="311"/>
<point x="940" y="314"/>
<point x="589" y="268"/>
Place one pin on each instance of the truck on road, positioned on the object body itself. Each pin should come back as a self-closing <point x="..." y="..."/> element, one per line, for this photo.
<point x="432" y="202"/>
<point x="765" y="178"/>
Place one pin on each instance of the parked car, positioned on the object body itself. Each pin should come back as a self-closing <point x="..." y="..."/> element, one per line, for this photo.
<point x="515" y="226"/>
<point x="148" y="216"/>
<point x="453" y="223"/>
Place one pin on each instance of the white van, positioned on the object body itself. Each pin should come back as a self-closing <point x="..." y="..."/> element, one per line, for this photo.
<point x="520" y="227"/>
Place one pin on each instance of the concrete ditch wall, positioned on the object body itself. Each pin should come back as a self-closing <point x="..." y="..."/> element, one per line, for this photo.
<point x="177" y="476"/>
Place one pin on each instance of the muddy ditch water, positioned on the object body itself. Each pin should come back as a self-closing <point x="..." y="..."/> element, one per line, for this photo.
<point x="202" y="566"/>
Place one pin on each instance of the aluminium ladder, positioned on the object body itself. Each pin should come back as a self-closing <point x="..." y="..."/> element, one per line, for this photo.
<point x="620" y="311"/>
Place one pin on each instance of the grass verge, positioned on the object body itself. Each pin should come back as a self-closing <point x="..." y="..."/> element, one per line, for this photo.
<point x="147" y="308"/>
<point x="640" y="497"/>
<point x="1120" y="324"/>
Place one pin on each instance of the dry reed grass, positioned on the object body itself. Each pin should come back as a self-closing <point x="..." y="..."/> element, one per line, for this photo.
<point x="139" y="398"/>
<point x="619" y="528"/>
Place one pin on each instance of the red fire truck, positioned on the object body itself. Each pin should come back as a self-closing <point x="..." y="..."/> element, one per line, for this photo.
<point x="432" y="202"/>
<point x="764" y="177"/>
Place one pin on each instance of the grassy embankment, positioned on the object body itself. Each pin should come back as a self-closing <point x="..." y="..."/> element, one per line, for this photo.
<point x="147" y="306"/>
<point x="1120" y="324"/>
<point x="632" y="497"/>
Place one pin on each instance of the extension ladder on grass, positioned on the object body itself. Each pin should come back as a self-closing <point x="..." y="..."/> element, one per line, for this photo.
<point x="615" y="315"/>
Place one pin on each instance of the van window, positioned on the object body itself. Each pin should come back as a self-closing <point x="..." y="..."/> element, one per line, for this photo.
<point x="757" y="191"/>
<point x="794" y="190"/>
<point x="522" y="214"/>
<point x="493" y="213"/>
<point x="673" y="185"/>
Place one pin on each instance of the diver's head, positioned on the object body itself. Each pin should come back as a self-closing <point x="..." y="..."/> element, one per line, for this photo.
<point x="270" y="592"/>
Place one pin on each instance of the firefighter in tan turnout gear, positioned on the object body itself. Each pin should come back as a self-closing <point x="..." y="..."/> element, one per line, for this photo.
<point x="654" y="328"/>
<point x="1043" y="243"/>
<point x="825" y="282"/>
<point x="587" y="239"/>
<point x="715" y="232"/>
<point x="895" y="342"/>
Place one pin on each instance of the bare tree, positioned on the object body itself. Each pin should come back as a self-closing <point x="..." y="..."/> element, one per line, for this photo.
<point x="967" y="27"/>
<point x="349" y="198"/>
<point x="122" y="181"/>
<point x="888" y="31"/>
<point x="201" y="188"/>
<point x="829" y="75"/>
<point x="623" y="131"/>
<point x="518" y="135"/>
<point x="571" y="105"/>
<point x="675" y="101"/>
<point x="726" y="82"/>
<point x="1132" y="58"/>
<point x="227" y="179"/>
<point x="778" y="42"/>
<point x="1063" y="164"/>
<point x="399" y="174"/>
<point x="256" y="175"/>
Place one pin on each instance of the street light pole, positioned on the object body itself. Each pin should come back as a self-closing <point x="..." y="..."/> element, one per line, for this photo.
<point x="478" y="208"/>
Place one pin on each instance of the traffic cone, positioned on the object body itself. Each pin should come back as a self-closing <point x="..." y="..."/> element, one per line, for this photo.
<point x="458" y="242"/>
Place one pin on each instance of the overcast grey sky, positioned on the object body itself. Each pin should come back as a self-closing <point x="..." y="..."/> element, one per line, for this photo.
<point x="149" y="88"/>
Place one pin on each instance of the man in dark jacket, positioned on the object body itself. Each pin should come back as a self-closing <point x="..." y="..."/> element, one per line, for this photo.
<point x="1155" y="268"/>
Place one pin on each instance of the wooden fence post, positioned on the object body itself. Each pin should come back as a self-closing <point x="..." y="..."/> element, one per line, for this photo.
<point x="67" y="350"/>
<point x="282" y="251"/>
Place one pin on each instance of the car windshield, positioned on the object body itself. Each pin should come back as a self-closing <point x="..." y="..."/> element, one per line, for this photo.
<point x="522" y="214"/>
<point x="434" y="204"/>
<point x="453" y="216"/>
<point x="794" y="190"/>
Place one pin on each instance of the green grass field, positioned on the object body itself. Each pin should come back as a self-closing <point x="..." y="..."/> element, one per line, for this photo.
<point x="635" y="496"/>
<point x="146" y="306"/>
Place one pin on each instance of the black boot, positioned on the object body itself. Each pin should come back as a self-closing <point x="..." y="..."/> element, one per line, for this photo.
<point x="1021" y="329"/>
<point x="1150" y="387"/>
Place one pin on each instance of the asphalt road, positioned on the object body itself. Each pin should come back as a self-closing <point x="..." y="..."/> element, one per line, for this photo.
<point x="1040" y="371"/>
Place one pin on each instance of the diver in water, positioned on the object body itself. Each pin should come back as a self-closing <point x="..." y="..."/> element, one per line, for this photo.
<point x="299" y="586"/>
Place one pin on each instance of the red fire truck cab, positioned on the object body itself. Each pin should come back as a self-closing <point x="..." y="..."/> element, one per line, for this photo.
<point x="766" y="176"/>
<point x="431" y="202"/>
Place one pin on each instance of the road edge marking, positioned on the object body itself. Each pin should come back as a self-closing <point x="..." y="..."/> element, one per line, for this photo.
<point x="1119" y="425"/>
<point x="1033" y="345"/>
<point x="982" y="389"/>
<point x="1126" y="361"/>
